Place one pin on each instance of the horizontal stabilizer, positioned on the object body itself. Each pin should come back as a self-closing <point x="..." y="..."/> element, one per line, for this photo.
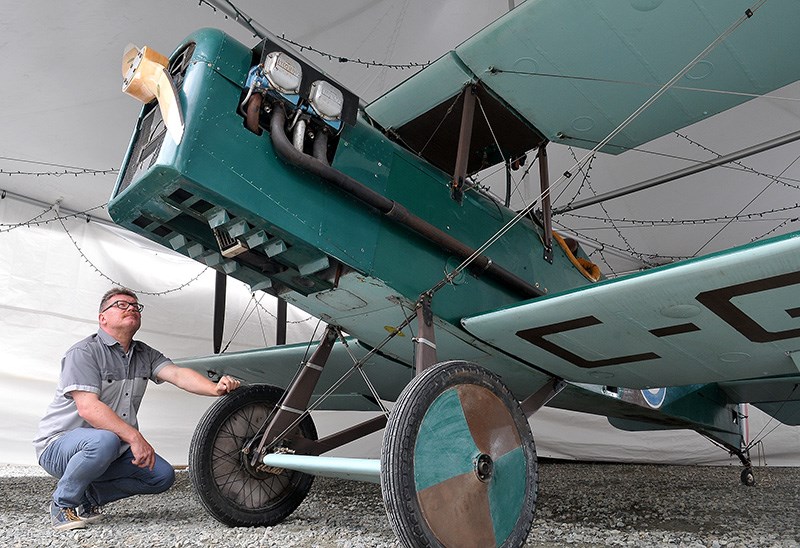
<point x="778" y="397"/>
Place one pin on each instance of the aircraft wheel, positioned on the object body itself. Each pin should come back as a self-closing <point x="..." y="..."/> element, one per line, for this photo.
<point x="232" y="490"/>
<point x="458" y="463"/>
<point x="748" y="478"/>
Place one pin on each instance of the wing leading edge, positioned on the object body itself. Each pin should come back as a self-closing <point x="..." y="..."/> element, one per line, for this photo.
<point x="731" y="316"/>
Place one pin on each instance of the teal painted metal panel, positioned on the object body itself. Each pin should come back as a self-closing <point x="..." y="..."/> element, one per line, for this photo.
<point x="222" y="165"/>
<point x="704" y="408"/>
<point x="507" y="492"/>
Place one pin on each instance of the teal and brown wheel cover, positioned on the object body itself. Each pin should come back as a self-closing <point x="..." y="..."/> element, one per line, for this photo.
<point x="458" y="464"/>
<point x="462" y="425"/>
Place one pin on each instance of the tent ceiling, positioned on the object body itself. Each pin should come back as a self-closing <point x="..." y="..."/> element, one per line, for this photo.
<point x="62" y="109"/>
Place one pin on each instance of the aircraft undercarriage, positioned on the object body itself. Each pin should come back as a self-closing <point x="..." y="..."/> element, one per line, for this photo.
<point x="458" y="462"/>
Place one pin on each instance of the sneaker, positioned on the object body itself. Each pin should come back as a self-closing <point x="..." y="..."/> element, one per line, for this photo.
<point x="89" y="513"/>
<point x="65" y="519"/>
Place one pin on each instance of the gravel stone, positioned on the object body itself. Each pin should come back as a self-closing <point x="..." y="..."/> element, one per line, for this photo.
<point x="579" y="505"/>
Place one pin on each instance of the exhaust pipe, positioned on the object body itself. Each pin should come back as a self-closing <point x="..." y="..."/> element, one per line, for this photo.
<point x="391" y="209"/>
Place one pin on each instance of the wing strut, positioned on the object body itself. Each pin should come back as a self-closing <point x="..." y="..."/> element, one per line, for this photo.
<point x="425" y="342"/>
<point x="547" y="213"/>
<point x="219" y="310"/>
<point x="464" y="140"/>
<point x="685" y="172"/>
<point x="541" y="397"/>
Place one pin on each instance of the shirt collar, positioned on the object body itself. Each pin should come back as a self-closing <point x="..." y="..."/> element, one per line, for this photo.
<point x="108" y="340"/>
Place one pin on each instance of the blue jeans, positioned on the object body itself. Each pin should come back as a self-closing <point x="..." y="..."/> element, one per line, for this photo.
<point x="92" y="471"/>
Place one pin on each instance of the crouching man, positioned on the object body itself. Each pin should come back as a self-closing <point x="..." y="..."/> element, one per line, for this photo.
<point x="89" y="436"/>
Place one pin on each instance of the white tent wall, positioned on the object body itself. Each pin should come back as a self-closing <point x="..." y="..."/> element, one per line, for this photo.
<point x="50" y="283"/>
<point x="51" y="280"/>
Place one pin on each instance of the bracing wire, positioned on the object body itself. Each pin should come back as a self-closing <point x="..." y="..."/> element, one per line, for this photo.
<point x="644" y="106"/>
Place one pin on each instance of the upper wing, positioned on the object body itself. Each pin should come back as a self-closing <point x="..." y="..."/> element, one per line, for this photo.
<point x="571" y="71"/>
<point x="730" y="316"/>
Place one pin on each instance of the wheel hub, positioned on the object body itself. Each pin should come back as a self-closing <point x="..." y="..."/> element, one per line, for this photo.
<point x="259" y="471"/>
<point x="484" y="467"/>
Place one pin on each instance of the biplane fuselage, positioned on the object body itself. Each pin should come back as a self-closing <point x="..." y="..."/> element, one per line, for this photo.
<point x="331" y="255"/>
<point x="315" y="246"/>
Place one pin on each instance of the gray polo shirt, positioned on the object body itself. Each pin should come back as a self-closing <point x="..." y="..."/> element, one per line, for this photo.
<point x="98" y="364"/>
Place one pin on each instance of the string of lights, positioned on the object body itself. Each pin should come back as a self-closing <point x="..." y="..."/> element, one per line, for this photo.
<point x="327" y="55"/>
<point x="63" y="173"/>
<point x="52" y="164"/>
<point x="115" y="282"/>
<point x="781" y="179"/>
<point x="274" y="317"/>
<point x="649" y="259"/>
<point x="30" y="222"/>
<point x="777" y="228"/>
<point x="38" y="221"/>
<point x="357" y="61"/>
<point x="633" y="252"/>
<point x="584" y="181"/>
<point x="678" y="222"/>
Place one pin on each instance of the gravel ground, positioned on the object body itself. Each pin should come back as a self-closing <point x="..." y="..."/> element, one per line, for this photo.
<point x="582" y="505"/>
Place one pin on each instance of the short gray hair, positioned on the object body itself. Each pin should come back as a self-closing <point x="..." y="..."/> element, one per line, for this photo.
<point x="116" y="291"/>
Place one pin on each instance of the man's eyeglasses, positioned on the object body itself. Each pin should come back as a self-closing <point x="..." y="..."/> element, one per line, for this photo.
<point x="125" y="305"/>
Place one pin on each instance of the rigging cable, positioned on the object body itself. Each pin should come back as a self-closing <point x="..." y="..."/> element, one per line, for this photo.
<point x="500" y="233"/>
<point x="742" y="210"/>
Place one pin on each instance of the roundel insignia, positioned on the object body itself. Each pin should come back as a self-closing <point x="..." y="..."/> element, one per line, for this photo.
<point x="654" y="396"/>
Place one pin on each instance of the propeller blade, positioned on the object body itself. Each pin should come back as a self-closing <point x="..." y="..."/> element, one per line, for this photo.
<point x="167" y="96"/>
<point x="128" y="57"/>
<point x="219" y="310"/>
<point x="145" y="77"/>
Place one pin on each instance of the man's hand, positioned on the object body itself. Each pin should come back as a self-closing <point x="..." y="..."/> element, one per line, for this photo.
<point x="101" y="416"/>
<point x="144" y="456"/>
<point x="192" y="381"/>
<point x="227" y="384"/>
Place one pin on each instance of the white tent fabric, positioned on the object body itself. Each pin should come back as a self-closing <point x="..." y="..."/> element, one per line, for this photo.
<point x="52" y="275"/>
<point x="50" y="282"/>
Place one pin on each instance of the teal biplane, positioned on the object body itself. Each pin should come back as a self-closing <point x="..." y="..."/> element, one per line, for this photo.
<point x="466" y="314"/>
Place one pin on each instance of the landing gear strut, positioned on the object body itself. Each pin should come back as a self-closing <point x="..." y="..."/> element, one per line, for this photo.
<point x="748" y="477"/>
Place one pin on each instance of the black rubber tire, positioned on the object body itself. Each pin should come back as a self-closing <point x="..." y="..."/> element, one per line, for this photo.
<point x="747" y="477"/>
<point x="228" y="487"/>
<point x="400" y="495"/>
